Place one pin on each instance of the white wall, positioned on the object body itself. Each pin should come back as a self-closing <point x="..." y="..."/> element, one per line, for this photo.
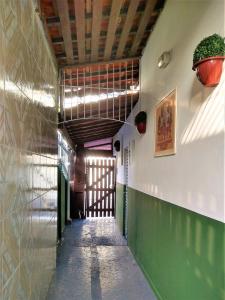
<point x="194" y="177"/>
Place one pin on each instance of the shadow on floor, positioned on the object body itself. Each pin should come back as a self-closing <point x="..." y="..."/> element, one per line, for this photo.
<point x="94" y="263"/>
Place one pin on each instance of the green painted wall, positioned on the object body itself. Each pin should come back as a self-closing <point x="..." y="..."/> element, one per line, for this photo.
<point x="120" y="206"/>
<point x="63" y="201"/>
<point x="180" y="252"/>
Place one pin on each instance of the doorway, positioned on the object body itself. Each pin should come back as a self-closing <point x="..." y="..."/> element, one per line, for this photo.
<point x="126" y="158"/>
<point x="100" y="187"/>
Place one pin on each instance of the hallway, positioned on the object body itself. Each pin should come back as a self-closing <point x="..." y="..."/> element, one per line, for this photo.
<point x="94" y="263"/>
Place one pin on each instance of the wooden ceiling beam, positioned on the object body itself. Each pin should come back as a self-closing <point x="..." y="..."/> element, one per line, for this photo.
<point x="59" y="40"/>
<point x="95" y="124"/>
<point x="88" y="52"/>
<point x="63" y="10"/>
<point x="113" y="22"/>
<point x="127" y="27"/>
<point x="94" y="133"/>
<point x="98" y="153"/>
<point x="54" y="4"/>
<point x="96" y="27"/>
<point x="99" y="145"/>
<point x="77" y="141"/>
<point x="103" y="72"/>
<point x="80" y="27"/>
<point x="88" y="122"/>
<point x="91" y="139"/>
<point x="150" y="4"/>
<point x="95" y="128"/>
<point x="108" y="62"/>
<point x="55" y="21"/>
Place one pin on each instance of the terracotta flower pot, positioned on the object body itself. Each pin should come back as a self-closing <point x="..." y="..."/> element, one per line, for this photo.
<point x="209" y="70"/>
<point x="141" y="127"/>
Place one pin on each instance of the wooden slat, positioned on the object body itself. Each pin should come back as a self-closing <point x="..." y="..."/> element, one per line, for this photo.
<point x="89" y="122"/>
<point x="96" y="27"/>
<point x="87" y="134"/>
<point x="80" y="27"/>
<point x="101" y="186"/>
<point x="109" y="183"/>
<point x="92" y="198"/>
<point x="95" y="128"/>
<point x="94" y="136"/>
<point x="106" y="173"/>
<point x="99" y="145"/>
<point x="97" y="209"/>
<point x="54" y="4"/>
<point x="97" y="184"/>
<point x="127" y="27"/>
<point x="91" y="138"/>
<point x="59" y="40"/>
<point x="54" y="21"/>
<point x="113" y="21"/>
<point x="143" y="23"/>
<point x="94" y="185"/>
<point x="87" y="194"/>
<point x="113" y="61"/>
<point x="63" y="10"/>
<point x="113" y="184"/>
<point x="104" y="185"/>
<point x="99" y="201"/>
<point x="105" y="189"/>
<point x="97" y="181"/>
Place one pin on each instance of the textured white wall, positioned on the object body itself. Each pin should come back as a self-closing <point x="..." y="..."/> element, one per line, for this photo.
<point x="194" y="177"/>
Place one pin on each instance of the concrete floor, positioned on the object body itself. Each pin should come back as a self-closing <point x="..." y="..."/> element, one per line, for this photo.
<point x="94" y="263"/>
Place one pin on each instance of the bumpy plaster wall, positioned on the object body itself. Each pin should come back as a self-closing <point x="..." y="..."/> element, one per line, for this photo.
<point x="28" y="154"/>
<point x="193" y="178"/>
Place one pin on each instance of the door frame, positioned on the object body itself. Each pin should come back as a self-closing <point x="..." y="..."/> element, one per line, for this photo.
<point x="125" y="194"/>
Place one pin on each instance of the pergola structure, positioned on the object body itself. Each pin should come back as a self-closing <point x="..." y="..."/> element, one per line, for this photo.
<point x="97" y="45"/>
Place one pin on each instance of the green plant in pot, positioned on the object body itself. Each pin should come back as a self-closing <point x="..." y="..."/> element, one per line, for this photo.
<point x="208" y="60"/>
<point x="140" y="121"/>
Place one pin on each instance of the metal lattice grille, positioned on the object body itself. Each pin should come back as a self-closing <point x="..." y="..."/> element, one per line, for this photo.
<point x="99" y="91"/>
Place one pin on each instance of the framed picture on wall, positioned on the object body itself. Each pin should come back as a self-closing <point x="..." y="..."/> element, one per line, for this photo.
<point x="165" y="125"/>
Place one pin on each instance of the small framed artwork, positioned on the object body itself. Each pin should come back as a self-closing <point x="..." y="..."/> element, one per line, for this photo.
<point x="165" y="125"/>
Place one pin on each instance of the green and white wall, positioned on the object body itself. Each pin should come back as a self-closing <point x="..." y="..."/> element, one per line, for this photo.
<point x="176" y="210"/>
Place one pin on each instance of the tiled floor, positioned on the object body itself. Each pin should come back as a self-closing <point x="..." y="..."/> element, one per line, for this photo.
<point x="94" y="263"/>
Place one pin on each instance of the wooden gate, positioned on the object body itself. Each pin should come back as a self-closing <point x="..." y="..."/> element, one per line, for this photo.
<point x="100" y="187"/>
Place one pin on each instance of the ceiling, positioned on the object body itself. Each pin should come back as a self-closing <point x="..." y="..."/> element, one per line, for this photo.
<point x="98" y="43"/>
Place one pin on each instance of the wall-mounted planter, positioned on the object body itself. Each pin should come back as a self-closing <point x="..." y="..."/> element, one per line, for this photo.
<point x="208" y="60"/>
<point x="117" y="146"/>
<point x="209" y="70"/>
<point x="140" y="122"/>
<point x="141" y="127"/>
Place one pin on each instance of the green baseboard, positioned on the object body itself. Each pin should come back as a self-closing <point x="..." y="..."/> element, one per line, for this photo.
<point x="181" y="253"/>
<point x="120" y="207"/>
